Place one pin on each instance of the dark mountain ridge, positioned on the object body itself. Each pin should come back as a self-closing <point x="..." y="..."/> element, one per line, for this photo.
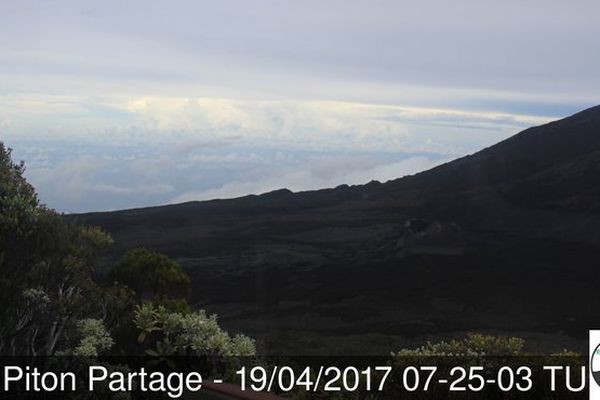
<point x="506" y="239"/>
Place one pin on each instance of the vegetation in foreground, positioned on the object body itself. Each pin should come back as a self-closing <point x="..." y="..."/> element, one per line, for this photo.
<point x="54" y="304"/>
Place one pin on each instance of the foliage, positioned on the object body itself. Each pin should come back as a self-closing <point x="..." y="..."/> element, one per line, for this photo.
<point x="46" y="267"/>
<point x="196" y="334"/>
<point x="471" y="346"/>
<point x="153" y="276"/>
<point x="92" y="339"/>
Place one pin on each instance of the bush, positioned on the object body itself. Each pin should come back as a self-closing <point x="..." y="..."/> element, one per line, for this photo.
<point x="166" y="333"/>
<point x="473" y="345"/>
<point x="152" y="275"/>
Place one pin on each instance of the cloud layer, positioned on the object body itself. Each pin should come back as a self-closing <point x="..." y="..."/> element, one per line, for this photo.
<point x="122" y="104"/>
<point x="153" y="150"/>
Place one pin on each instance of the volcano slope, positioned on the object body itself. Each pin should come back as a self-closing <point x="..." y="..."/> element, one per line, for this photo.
<point x="506" y="240"/>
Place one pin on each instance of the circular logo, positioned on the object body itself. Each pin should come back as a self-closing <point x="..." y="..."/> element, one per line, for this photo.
<point x="595" y="365"/>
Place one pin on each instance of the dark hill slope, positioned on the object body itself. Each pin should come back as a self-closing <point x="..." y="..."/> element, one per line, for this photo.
<point x="507" y="239"/>
<point x="554" y="165"/>
<point x="520" y="156"/>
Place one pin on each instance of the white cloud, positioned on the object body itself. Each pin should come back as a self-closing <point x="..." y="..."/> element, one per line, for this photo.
<point x="303" y="124"/>
<point x="207" y="122"/>
<point x="142" y="190"/>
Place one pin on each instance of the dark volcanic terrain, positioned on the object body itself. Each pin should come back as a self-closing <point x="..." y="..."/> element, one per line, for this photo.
<point x="505" y="240"/>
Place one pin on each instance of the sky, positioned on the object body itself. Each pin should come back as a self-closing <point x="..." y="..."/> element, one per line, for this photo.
<point x="121" y="104"/>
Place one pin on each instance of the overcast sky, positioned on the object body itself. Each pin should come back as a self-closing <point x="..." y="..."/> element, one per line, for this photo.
<point x="119" y="104"/>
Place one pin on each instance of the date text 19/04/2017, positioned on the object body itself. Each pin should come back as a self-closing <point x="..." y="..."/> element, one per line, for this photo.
<point x="410" y="379"/>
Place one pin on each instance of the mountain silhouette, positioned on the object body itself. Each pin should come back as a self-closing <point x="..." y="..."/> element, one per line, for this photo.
<point x="504" y="240"/>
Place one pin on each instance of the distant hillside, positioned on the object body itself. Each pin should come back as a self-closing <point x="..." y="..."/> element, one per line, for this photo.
<point x="506" y="239"/>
